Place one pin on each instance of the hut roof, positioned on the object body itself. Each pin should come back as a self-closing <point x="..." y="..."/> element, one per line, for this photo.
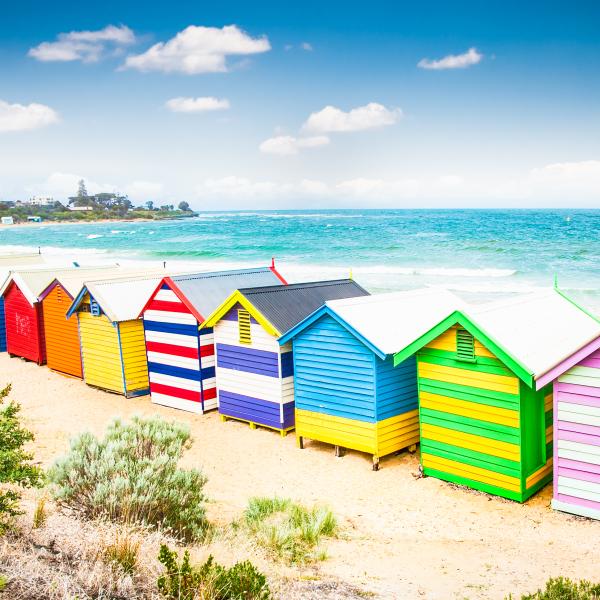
<point x="280" y="307"/>
<point x="202" y="293"/>
<point x="532" y="333"/>
<point x="387" y="322"/>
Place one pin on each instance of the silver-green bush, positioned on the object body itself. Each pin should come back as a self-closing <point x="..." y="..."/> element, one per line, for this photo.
<point x="131" y="476"/>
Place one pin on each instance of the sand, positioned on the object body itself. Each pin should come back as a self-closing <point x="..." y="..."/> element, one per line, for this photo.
<point x="402" y="536"/>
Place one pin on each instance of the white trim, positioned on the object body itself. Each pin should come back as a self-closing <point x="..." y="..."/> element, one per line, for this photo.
<point x="167" y="296"/>
<point x="575" y="509"/>
<point x="178" y="403"/>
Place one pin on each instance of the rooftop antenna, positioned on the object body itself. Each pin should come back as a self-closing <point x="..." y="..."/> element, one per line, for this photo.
<point x="39" y="249"/>
<point x="164" y="264"/>
<point x="272" y="262"/>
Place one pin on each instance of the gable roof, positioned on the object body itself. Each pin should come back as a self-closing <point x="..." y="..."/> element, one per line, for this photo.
<point x="385" y="323"/>
<point x="279" y="307"/>
<point x="202" y="293"/>
<point x="531" y="333"/>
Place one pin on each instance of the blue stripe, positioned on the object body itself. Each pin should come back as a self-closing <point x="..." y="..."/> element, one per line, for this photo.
<point x="206" y="331"/>
<point x="2" y="326"/>
<point x="181" y="372"/>
<point x="255" y="410"/>
<point x="287" y="364"/>
<point x="247" y="360"/>
<point x="164" y="286"/>
<point x="170" y="327"/>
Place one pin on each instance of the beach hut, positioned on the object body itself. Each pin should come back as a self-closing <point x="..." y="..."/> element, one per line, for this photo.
<point x="255" y="375"/>
<point x="576" y="426"/>
<point x="181" y="361"/>
<point x="346" y="389"/>
<point x="112" y="335"/>
<point x="9" y="262"/>
<point x="23" y="312"/>
<point x="485" y="408"/>
<point x="63" y="349"/>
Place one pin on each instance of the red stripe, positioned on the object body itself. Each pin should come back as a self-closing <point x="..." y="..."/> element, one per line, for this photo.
<point x="172" y="349"/>
<point x="208" y="350"/>
<point x="210" y="394"/>
<point x="177" y="307"/>
<point x="168" y="390"/>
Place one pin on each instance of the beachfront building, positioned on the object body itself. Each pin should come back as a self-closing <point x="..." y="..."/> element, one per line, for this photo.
<point x="7" y="263"/>
<point x="346" y="389"/>
<point x="112" y="335"/>
<point x="181" y="355"/>
<point x="23" y="311"/>
<point x="577" y="428"/>
<point x="255" y="375"/>
<point x="484" y="407"/>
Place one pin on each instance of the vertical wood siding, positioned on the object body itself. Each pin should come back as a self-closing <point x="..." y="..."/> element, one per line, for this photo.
<point x="577" y="439"/>
<point x="2" y="326"/>
<point x="24" y="326"/>
<point x="347" y="396"/>
<point x="133" y="352"/>
<point x="101" y="353"/>
<point x="254" y="381"/>
<point x="63" y="350"/>
<point x="181" y="361"/>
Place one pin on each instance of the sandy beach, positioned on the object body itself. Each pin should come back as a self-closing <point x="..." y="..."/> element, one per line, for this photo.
<point x="402" y="536"/>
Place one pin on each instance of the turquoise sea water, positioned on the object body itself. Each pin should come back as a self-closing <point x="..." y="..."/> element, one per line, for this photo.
<point x="474" y="252"/>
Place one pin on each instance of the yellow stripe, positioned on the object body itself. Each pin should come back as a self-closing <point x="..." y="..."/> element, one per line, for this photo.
<point x="539" y="474"/>
<point x="453" y="467"/>
<point x="447" y="342"/>
<point x="478" y="379"/>
<point x="548" y="402"/>
<point x="477" y="443"/>
<point x="472" y="410"/>
<point x="549" y="434"/>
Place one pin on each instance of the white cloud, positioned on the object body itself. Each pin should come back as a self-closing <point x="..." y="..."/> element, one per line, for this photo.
<point x="306" y="46"/>
<point x="379" y="189"/>
<point x="192" y="105"/>
<point x="453" y="61"/>
<point x="62" y="185"/>
<point x="451" y="180"/>
<point x="142" y="191"/>
<point x="21" y="117"/>
<point x="567" y="180"/>
<point x="333" y="120"/>
<point x="286" y="145"/>
<point x="86" y="46"/>
<point x="198" y="50"/>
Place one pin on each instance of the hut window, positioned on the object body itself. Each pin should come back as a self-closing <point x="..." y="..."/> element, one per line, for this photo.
<point x="244" y="326"/>
<point x="465" y="346"/>
<point x="59" y="297"/>
<point x="94" y="308"/>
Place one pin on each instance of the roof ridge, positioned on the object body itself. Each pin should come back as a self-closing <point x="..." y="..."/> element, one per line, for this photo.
<point x="213" y="274"/>
<point x="295" y="286"/>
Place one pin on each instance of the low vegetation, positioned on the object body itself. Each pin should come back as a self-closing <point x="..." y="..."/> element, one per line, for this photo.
<point x="132" y="476"/>
<point x="561" y="588"/>
<point x="209" y="581"/>
<point x="123" y="552"/>
<point x="288" y="530"/>
<point x="16" y="470"/>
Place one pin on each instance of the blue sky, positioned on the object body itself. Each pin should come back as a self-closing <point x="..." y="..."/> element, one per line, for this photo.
<point x="324" y="104"/>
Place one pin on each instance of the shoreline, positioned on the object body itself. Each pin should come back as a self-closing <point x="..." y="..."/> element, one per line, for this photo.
<point x="93" y="222"/>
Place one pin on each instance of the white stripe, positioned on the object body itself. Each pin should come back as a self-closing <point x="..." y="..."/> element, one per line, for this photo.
<point x="208" y="361"/>
<point x="174" y="361"/>
<point x="207" y="339"/>
<point x="579" y="484"/>
<point x="579" y="456"/>
<point x="578" y="446"/>
<point x="176" y="382"/>
<point x="177" y="339"/>
<point x="179" y="403"/>
<point x="165" y="316"/>
<point x="249" y="384"/>
<point x="575" y="509"/>
<point x="209" y="383"/>
<point x="578" y="413"/>
<point x="569" y="490"/>
<point x="210" y="404"/>
<point x="167" y="296"/>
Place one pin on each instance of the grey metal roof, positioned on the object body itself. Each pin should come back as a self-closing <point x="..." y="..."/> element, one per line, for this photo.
<point x="207" y="291"/>
<point x="284" y="306"/>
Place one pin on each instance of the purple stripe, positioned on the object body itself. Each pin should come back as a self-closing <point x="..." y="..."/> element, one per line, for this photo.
<point x="287" y="364"/>
<point x="565" y="428"/>
<point x="579" y="399"/>
<point x="577" y="464"/>
<point x="248" y="360"/>
<point x="255" y="410"/>
<point x="232" y="315"/>
<point x="578" y="390"/>
<point x="566" y="364"/>
<point x="591" y="361"/>
<point x="577" y="501"/>
<point x="580" y="475"/>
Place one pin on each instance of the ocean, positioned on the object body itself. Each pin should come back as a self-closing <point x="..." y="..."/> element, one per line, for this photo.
<point x="480" y="254"/>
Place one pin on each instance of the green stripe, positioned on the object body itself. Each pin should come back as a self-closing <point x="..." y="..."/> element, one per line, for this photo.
<point x="482" y="363"/>
<point x="549" y="450"/>
<point x="548" y="418"/>
<point x="476" y="485"/>
<point x="471" y="394"/>
<point x="471" y="457"/>
<point x="493" y="431"/>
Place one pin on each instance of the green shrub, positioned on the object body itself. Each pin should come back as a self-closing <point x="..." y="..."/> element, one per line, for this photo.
<point x="562" y="588"/>
<point x="131" y="476"/>
<point x="209" y="581"/>
<point x="288" y="530"/>
<point x="16" y="469"/>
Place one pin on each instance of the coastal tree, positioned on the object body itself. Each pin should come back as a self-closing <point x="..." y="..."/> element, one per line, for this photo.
<point x="150" y="205"/>
<point x="81" y="189"/>
<point x="184" y="206"/>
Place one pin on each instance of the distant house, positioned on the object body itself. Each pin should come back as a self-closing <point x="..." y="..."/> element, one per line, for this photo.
<point x="80" y="208"/>
<point x="40" y="201"/>
<point x="34" y="219"/>
<point x="8" y="221"/>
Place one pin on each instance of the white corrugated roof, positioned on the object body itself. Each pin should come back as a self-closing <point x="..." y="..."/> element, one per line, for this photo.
<point x="10" y="262"/>
<point x="539" y="330"/>
<point x="392" y="321"/>
<point x="74" y="281"/>
<point x="32" y="282"/>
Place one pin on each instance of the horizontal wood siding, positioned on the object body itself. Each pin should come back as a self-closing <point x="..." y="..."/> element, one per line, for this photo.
<point x="102" y="366"/>
<point x="577" y="439"/>
<point x="23" y="331"/>
<point x="470" y="418"/>
<point x="397" y="391"/>
<point x="63" y="351"/>
<point x="2" y="326"/>
<point x="133" y="350"/>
